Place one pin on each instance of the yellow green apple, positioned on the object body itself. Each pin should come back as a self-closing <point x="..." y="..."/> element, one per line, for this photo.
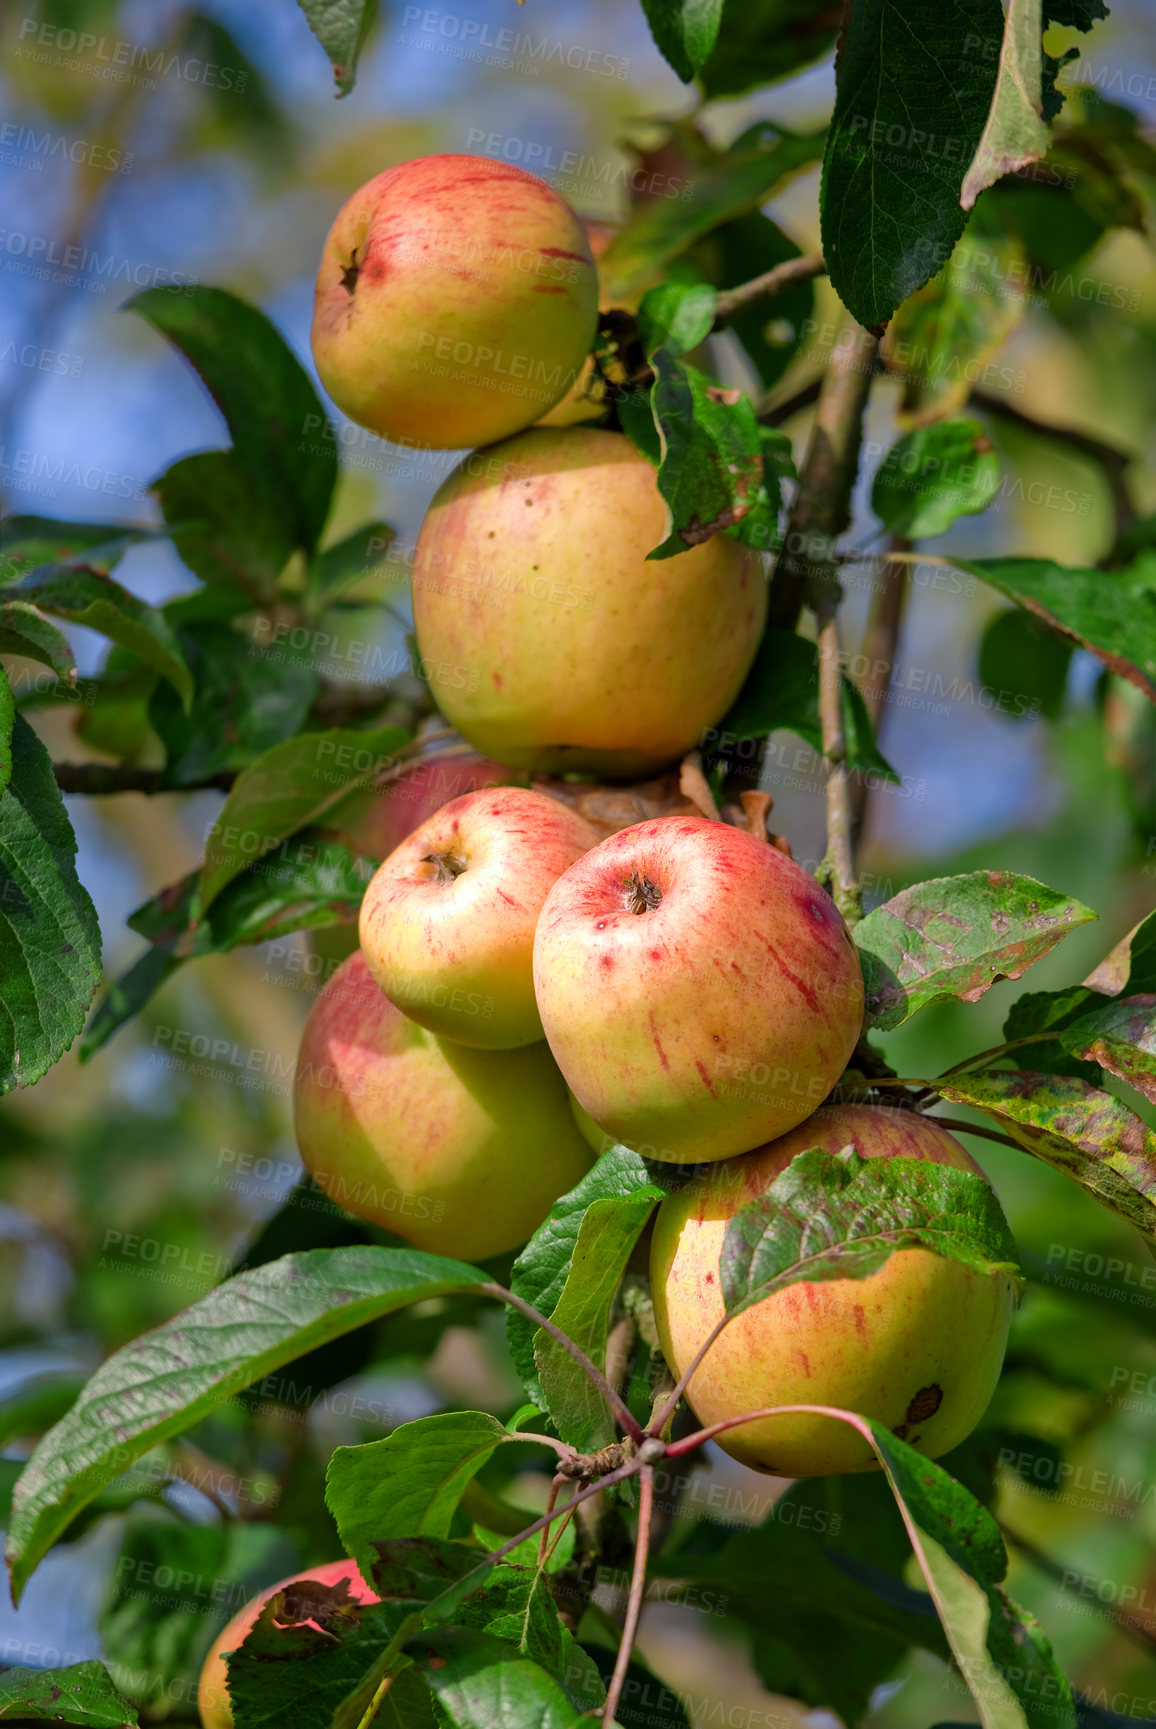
<point x="447" y="923"/>
<point x="700" y="992"/>
<point x="580" y="655"/>
<point x="917" y="1345"/>
<point x="456" y="302"/>
<point x="459" y="1151"/>
<point x="213" y="1691"/>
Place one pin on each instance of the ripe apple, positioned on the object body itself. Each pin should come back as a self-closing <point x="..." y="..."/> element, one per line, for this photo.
<point x="448" y="920"/>
<point x="455" y="303"/>
<point x="917" y="1345"/>
<point x="700" y="992"/>
<point x="581" y="655"/>
<point x="212" y="1692"/>
<point x="459" y="1151"/>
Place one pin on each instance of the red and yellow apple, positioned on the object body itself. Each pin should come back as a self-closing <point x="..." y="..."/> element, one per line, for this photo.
<point x="581" y="655"/>
<point x="461" y="1152"/>
<point x="700" y="992"/>
<point x="917" y="1345"/>
<point x="448" y="919"/>
<point x="455" y="303"/>
<point x="213" y="1691"/>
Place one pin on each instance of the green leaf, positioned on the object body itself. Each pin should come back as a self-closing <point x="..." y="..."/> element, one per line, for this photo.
<point x="934" y="475"/>
<point x="712" y="462"/>
<point x="1131" y="965"/>
<point x="738" y="180"/>
<point x="676" y="316"/>
<point x="87" y="596"/>
<point x="1120" y="1037"/>
<point x="230" y="536"/>
<point x="311" y="883"/>
<point x="1020" y="654"/>
<point x="32" y="541"/>
<point x="82" y="1694"/>
<point x="684" y="31"/>
<point x="955" y="937"/>
<point x="606" y="1237"/>
<point x="410" y="1483"/>
<point x="911" y="100"/>
<point x="781" y="691"/>
<point x="286" y="1671"/>
<point x="1086" y="1133"/>
<point x="840" y="1216"/>
<point x="863" y="753"/>
<point x="25" y="630"/>
<point x="1000" y="1648"/>
<point x="49" y="936"/>
<point x="245" y="700"/>
<point x="1016" y="133"/>
<point x="342" y="28"/>
<point x="542" y="1269"/>
<point x="348" y="561"/>
<point x="762" y="41"/>
<point x="1111" y="614"/>
<point x="479" y="1682"/>
<point x="168" y="1379"/>
<point x="947" y="334"/>
<point x="272" y="411"/>
<point x="293" y="785"/>
<point x="516" y="1604"/>
<point x="7" y="721"/>
<point x="1049" y="1011"/>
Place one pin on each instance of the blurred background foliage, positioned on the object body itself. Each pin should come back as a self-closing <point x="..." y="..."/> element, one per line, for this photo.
<point x="130" y="1185"/>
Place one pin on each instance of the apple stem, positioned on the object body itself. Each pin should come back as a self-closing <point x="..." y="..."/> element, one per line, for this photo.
<point x="625" y="1416"/>
<point x="448" y="866"/>
<point x="642" y="895"/>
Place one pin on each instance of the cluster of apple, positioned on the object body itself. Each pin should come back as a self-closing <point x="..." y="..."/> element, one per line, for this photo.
<point x="527" y="992"/>
<point x="456" y="305"/>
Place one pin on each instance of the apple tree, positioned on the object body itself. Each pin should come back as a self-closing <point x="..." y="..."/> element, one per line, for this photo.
<point x="957" y="182"/>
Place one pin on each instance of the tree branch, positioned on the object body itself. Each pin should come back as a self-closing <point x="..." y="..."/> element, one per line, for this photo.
<point x="637" y="1587"/>
<point x="778" y="413"/>
<point x="771" y="282"/>
<point x="821" y="510"/>
<point x="100" y="778"/>
<point x="594" y="1375"/>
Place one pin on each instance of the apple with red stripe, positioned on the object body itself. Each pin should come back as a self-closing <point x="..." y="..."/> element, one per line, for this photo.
<point x="700" y="992"/>
<point x="456" y="302"/>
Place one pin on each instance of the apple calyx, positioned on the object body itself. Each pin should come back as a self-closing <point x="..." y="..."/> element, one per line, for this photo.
<point x="350" y="273"/>
<point x="642" y="896"/>
<point x="448" y="866"/>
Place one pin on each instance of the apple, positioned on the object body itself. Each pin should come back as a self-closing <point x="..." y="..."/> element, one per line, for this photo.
<point x="580" y="655"/>
<point x="378" y="820"/>
<point x="455" y="303"/>
<point x="917" y="1346"/>
<point x="459" y="1151"/>
<point x="212" y="1692"/>
<point x="448" y="919"/>
<point x="700" y="992"/>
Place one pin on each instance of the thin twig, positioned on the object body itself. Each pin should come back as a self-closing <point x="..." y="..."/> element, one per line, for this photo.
<point x="1110" y="457"/>
<point x="821" y="510"/>
<point x="560" y="1447"/>
<point x="840" y="823"/>
<point x="995" y="1051"/>
<point x="959" y="1127"/>
<point x="784" y="275"/>
<point x="544" y="1539"/>
<point x="637" y="1587"/>
<point x="594" y="1375"/>
<point x="778" y="413"/>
